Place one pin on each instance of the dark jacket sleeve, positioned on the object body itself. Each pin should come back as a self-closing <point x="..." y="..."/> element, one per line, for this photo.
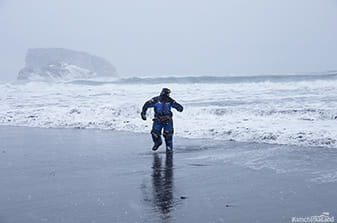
<point x="150" y="103"/>
<point x="177" y="106"/>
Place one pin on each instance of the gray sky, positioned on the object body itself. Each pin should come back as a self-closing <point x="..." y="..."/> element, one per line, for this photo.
<point x="173" y="37"/>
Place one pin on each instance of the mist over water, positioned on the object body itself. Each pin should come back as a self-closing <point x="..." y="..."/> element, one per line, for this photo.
<point x="190" y="37"/>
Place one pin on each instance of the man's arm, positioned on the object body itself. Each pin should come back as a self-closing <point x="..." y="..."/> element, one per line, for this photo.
<point x="148" y="104"/>
<point x="177" y="106"/>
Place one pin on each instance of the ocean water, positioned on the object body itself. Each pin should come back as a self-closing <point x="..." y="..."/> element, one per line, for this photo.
<point x="297" y="109"/>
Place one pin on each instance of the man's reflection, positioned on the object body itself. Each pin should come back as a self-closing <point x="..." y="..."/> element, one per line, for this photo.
<point x="162" y="180"/>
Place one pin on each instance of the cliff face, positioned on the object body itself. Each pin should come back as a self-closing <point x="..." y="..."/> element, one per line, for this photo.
<point x="57" y="63"/>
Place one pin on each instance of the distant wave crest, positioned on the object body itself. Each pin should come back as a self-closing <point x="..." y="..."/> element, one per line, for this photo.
<point x="212" y="79"/>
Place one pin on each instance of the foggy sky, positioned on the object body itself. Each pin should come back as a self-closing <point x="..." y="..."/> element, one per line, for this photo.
<point x="173" y="37"/>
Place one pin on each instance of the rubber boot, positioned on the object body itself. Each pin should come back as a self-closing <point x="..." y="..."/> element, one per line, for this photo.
<point x="156" y="137"/>
<point x="168" y="141"/>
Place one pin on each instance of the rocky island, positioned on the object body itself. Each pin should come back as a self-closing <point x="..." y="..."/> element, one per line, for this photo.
<point x="63" y="64"/>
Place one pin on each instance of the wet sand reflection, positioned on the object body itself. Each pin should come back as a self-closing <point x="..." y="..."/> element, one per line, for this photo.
<point x="162" y="182"/>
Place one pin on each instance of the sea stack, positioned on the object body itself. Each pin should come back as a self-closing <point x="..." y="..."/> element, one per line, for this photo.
<point x="64" y="64"/>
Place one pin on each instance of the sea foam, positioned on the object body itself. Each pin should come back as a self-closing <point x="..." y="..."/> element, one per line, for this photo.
<point x="300" y="111"/>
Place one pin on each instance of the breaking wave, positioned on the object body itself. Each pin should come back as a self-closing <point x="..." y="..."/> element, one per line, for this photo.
<point x="293" y="109"/>
<point x="213" y="79"/>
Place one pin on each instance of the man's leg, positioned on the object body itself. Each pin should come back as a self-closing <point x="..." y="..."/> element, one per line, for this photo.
<point x="168" y="135"/>
<point x="156" y="134"/>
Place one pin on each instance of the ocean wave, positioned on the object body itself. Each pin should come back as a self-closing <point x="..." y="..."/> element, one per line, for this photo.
<point x="212" y="79"/>
<point x="292" y="113"/>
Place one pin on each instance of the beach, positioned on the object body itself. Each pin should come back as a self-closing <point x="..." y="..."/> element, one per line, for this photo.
<point x="76" y="175"/>
<point x="247" y="90"/>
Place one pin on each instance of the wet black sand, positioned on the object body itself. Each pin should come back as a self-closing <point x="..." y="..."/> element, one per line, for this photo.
<point x="69" y="175"/>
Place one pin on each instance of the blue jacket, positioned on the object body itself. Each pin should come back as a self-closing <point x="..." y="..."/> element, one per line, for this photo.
<point x="162" y="106"/>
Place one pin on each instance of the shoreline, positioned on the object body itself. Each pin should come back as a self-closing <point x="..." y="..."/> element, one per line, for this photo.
<point x="219" y="141"/>
<point x="66" y="175"/>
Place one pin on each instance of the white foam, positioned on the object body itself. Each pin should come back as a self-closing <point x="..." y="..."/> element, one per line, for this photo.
<point x="295" y="113"/>
<point x="328" y="177"/>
